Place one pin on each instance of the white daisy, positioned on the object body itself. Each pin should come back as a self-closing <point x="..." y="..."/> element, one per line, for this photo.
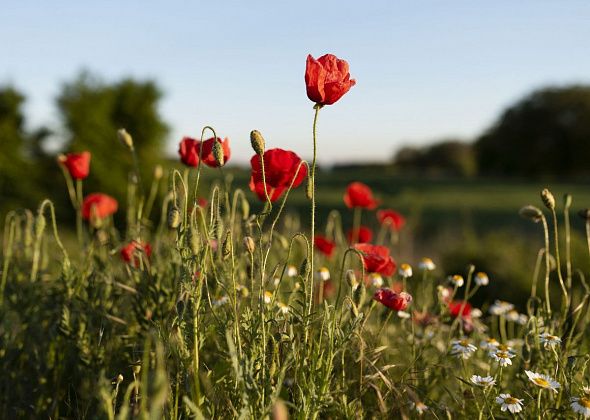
<point x="489" y="343"/>
<point x="581" y="405"/>
<point x="456" y="280"/>
<point x="376" y="280"/>
<point x="512" y="316"/>
<point x="267" y="297"/>
<point x="283" y="307"/>
<point x="323" y="274"/>
<point x="420" y="407"/>
<point x="403" y="314"/>
<point x="292" y="271"/>
<point x="276" y="281"/>
<point x="476" y="313"/>
<point x="508" y="402"/>
<point x="462" y="349"/>
<point x="481" y="279"/>
<point x="501" y="307"/>
<point x="543" y="381"/>
<point x="549" y="340"/>
<point x="522" y="319"/>
<point x="405" y="270"/>
<point x="483" y="380"/>
<point x="220" y="301"/>
<point x="426" y="264"/>
<point x="503" y="357"/>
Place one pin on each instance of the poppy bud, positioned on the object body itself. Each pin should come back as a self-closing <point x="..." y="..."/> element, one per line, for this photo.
<point x="119" y="378"/>
<point x="173" y="217"/>
<point x="40" y="224"/>
<point x="567" y="200"/>
<point x="226" y="246"/>
<point x="584" y="214"/>
<point x="531" y="213"/>
<point x="309" y="189"/>
<point x="359" y="294"/>
<point x="158" y="172"/>
<point x="548" y="199"/>
<point x="249" y="244"/>
<point x="193" y="240"/>
<point x="305" y="268"/>
<point x="351" y="279"/>
<point x="245" y="209"/>
<point x="257" y="142"/>
<point x="125" y="138"/>
<point x="218" y="154"/>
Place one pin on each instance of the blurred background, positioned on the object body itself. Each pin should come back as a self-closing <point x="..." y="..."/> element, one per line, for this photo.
<point x="462" y="111"/>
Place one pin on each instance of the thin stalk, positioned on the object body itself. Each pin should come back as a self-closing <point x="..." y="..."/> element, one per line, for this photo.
<point x="559" y="275"/>
<point x="311" y="253"/>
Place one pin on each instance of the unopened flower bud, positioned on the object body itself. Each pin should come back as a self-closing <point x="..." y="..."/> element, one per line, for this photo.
<point x="548" y="199"/>
<point x="119" y="378"/>
<point x="226" y="246"/>
<point x="257" y="142"/>
<point x="173" y="217"/>
<point x="136" y="369"/>
<point x="531" y="213"/>
<point x="567" y="200"/>
<point x="249" y="244"/>
<point x="351" y="279"/>
<point x="158" y="172"/>
<point x="305" y="268"/>
<point x="193" y="240"/>
<point x="125" y="138"/>
<point x="218" y="153"/>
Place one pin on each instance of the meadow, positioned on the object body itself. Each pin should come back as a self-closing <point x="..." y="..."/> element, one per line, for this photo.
<point x="259" y="295"/>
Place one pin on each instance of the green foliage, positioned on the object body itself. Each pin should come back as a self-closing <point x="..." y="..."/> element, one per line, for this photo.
<point x="545" y="133"/>
<point x="93" y="111"/>
<point x="448" y="157"/>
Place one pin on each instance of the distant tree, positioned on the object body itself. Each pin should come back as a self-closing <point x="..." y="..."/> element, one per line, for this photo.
<point x="17" y="171"/>
<point x="93" y="111"/>
<point x="448" y="157"/>
<point x="545" y="133"/>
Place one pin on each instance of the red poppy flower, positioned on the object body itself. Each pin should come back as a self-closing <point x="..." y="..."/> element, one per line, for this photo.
<point x="98" y="205"/>
<point x="77" y="164"/>
<point x="376" y="259"/>
<point x="359" y="195"/>
<point x="394" y="301"/>
<point x="207" y="153"/>
<point x="327" y="79"/>
<point x="188" y="151"/>
<point x="391" y="218"/>
<point x="455" y="308"/>
<point x="281" y="167"/>
<point x="363" y="235"/>
<point x="130" y="252"/>
<point x="324" y="245"/>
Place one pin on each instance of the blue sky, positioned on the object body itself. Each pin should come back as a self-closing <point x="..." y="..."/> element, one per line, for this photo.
<point x="424" y="69"/>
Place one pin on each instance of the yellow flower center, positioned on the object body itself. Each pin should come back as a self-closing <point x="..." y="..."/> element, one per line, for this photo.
<point x="511" y="400"/>
<point x="502" y="347"/>
<point x="464" y="343"/>
<point x="502" y="355"/>
<point x="584" y="402"/>
<point x="541" y="382"/>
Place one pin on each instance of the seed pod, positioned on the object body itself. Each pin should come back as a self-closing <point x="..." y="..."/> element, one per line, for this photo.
<point x="257" y="142"/>
<point x="249" y="244"/>
<point x="40" y="223"/>
<point x="226" y="246"/>
<point x="218" y="153"/>
<point x="309" y="189"/>
<point x="174" y="217"/>
<point x="158" y="172"/>
<point x="531" y="213"/>
<point x="125" y="138"/>
<point x="305" y="268"/>
<point x="548" y="199"/>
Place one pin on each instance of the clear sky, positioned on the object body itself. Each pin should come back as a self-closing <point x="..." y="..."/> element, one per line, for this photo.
<point x="424" y="69"/>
